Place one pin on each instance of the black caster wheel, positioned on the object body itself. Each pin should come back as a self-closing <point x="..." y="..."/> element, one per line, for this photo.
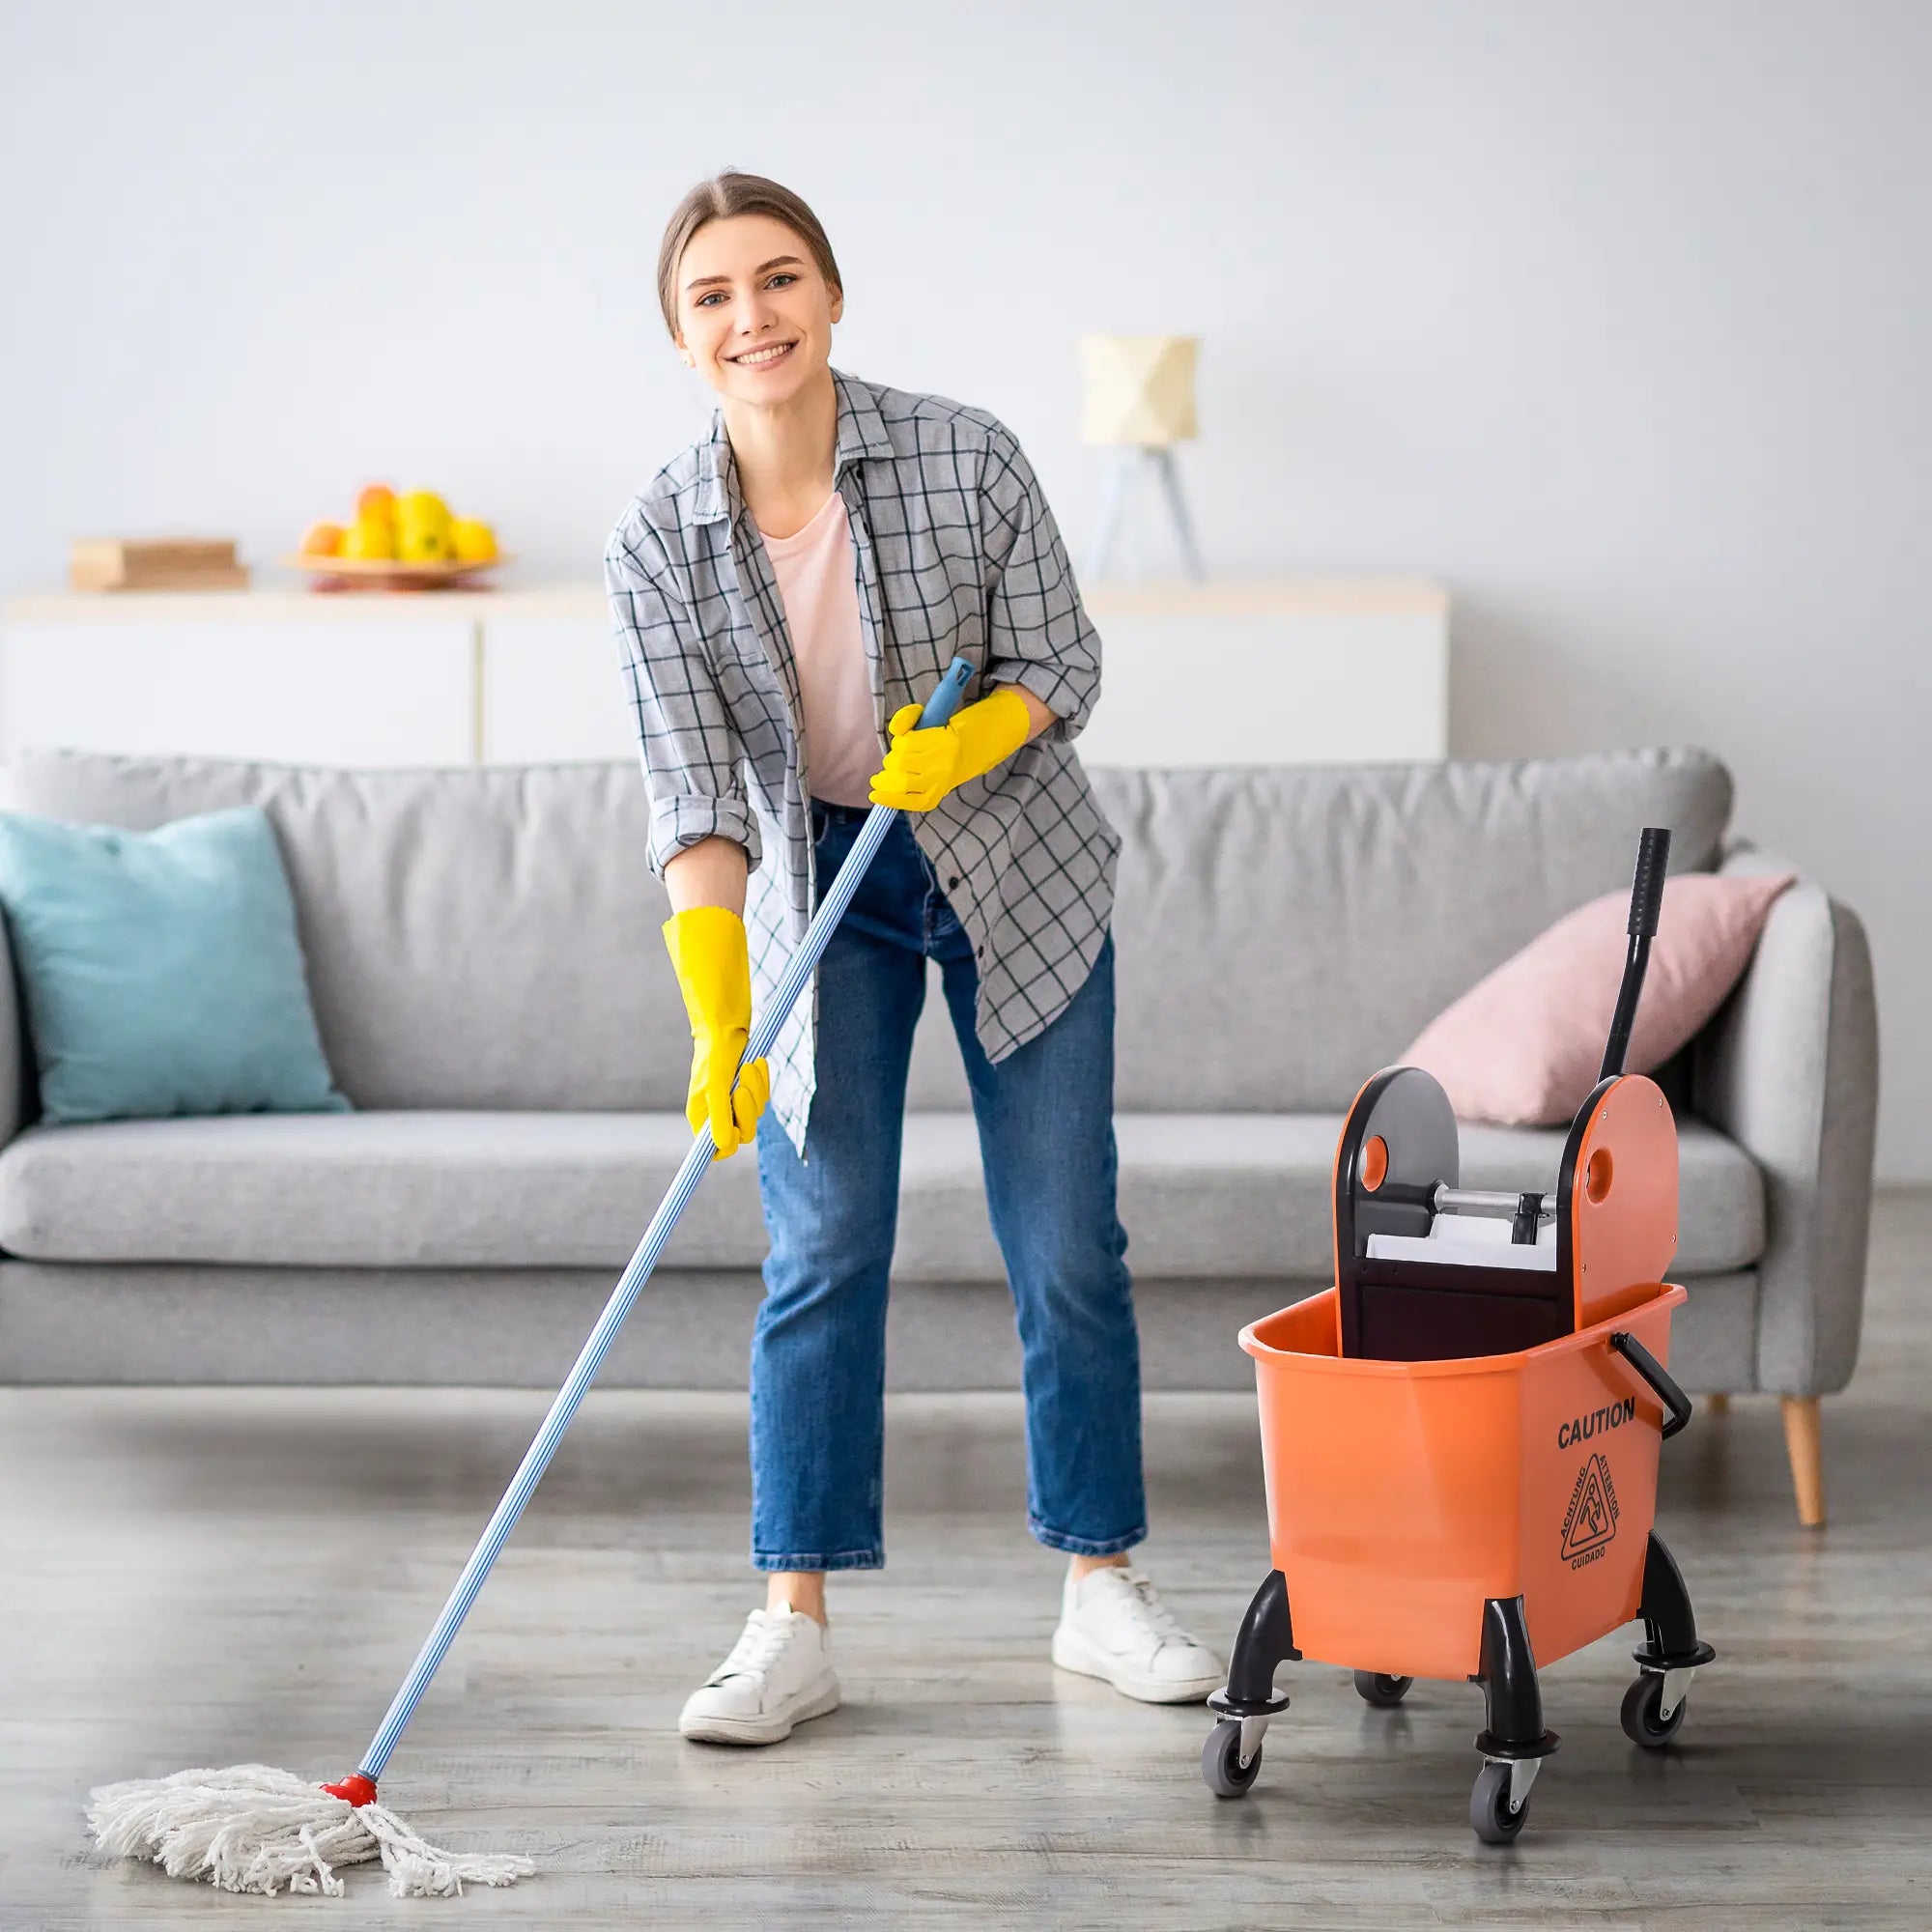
<point x="1639" y="1717"/>
<point x="1221" y="1768"/>
<point x="1377" y="1688"/>
<point x="1490" y="1815"/>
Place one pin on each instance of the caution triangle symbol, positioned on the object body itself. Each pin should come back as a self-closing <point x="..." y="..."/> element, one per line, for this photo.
<point x="1593" y="1520"/>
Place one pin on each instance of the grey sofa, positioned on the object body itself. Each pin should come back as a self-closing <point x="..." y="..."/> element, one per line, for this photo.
<point x="495" y="998"/>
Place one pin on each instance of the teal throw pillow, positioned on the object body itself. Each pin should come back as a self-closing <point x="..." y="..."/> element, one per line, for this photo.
<point x="160" y="972"/>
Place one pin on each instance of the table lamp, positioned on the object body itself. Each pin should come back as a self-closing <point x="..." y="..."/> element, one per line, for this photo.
<point x="1139" y="400"/>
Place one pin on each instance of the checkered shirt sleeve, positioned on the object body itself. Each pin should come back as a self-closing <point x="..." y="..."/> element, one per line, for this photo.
<point x="688" y="743"/>
<point x="1037" y="633"/>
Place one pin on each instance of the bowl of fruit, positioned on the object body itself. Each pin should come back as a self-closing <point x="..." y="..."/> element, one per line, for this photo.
<point x="397" y="543"/>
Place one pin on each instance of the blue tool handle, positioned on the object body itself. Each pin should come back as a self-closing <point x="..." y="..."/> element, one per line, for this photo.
<point x="939" y="707"/>
<point x="945" y="695"/>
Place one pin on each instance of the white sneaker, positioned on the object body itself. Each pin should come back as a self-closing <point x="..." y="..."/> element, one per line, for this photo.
<point x="779" y="1674"/>
<point x="1113" y="1625"/>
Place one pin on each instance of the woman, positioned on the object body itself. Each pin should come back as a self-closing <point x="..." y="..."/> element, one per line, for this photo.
<point x="783" y="589"/>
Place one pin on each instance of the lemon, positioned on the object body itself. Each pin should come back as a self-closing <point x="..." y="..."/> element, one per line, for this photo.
<point x="369" y="537"/>
<point x="470" y="541"/>
<point x="422" y="527"/>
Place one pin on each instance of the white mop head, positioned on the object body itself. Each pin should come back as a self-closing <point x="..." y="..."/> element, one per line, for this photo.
<point x="250" y="1827"/>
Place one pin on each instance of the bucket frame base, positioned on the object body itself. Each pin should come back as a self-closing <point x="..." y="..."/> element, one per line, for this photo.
<point x="1512" y="1698"/>
<point x="1264" y="1641"/>
<point x="1669" y="1623"/>
<point x="1514" y="1740"/>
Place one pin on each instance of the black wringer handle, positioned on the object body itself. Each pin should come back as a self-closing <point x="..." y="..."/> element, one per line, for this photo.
<point x="1653" y="854"/>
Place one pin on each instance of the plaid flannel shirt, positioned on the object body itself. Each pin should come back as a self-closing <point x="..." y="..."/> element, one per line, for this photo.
<point x="955" y="553"/>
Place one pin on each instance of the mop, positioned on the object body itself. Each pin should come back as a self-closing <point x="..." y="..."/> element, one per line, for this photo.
<point x="251" y="1828"/>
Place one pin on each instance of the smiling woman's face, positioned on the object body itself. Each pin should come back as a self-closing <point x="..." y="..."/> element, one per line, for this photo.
<point x="747" y="285"/>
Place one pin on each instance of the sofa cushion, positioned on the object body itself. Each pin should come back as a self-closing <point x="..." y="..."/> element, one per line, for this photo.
<point x="410" y="1189"/>
<point x="1525" y="1047"/>
<point x="159" y="970"/>
<point x="1203" y="1195"/>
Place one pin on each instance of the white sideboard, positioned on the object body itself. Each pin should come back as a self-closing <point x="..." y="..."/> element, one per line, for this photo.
<point x="1285" y="673"/>
<point x="1228" y="673"/>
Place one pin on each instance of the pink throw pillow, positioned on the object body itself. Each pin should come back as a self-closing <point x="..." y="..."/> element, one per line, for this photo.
<point x="1524" y="1046"/>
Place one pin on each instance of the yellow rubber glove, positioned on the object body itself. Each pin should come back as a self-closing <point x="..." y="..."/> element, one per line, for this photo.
<point x="923" y="766"/>
<point x="714" y="972"/>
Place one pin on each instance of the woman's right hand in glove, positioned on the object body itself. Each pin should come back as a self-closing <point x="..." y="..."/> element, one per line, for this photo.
<point x="708" y="948"/>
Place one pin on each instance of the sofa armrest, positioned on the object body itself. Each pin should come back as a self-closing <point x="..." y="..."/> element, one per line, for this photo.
<point x="15" y="1057"/>
<point x="1788" y="1069"/>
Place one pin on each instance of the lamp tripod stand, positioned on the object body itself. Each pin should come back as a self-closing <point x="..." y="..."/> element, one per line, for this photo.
<point x="1126" y="465"/>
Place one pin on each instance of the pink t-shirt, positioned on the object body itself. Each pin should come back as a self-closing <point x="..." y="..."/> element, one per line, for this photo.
<point x="815" y="573"/>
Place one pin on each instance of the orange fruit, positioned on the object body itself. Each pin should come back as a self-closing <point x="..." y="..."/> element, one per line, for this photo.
<point x="322" y="540"/>
<point x="378" y="500"/>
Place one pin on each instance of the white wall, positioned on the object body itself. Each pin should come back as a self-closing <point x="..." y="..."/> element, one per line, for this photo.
<point x="1615" y="318"/>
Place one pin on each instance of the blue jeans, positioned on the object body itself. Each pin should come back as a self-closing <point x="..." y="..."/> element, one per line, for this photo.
<point x="1045" y="1116"/>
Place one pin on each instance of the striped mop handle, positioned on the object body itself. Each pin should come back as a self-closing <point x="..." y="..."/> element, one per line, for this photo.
<point x="361" y="1788"/>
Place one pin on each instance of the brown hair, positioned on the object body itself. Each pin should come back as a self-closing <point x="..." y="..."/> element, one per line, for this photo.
<point x="734" y="193"/>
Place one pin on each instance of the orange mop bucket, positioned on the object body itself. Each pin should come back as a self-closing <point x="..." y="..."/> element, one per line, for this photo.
<point x="1461" y="1437"/>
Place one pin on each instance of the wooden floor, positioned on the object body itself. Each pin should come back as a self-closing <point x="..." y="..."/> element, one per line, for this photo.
<point x="195" y="1577"/>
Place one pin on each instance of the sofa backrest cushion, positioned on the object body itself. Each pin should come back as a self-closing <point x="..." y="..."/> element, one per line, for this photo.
<point x="476" y="937"/>
<point x="1282" y="931"/>
<point x="488" y="937"/>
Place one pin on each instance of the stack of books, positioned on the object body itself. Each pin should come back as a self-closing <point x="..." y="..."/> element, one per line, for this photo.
<point x="155" y="563"/>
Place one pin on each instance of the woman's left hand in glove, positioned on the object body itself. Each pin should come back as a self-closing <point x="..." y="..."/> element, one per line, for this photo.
<point x="921" y="766"/>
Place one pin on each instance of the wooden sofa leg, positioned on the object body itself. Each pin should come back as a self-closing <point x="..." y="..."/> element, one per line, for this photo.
<point x="1718" y="1405"/>
<point x="1808" y="1457"/>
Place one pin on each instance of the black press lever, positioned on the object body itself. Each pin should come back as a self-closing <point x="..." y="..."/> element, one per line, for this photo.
<point x="1653" y="854"/>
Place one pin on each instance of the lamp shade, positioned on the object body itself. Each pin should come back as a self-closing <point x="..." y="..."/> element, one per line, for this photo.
<point x="1140" y="389"/>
